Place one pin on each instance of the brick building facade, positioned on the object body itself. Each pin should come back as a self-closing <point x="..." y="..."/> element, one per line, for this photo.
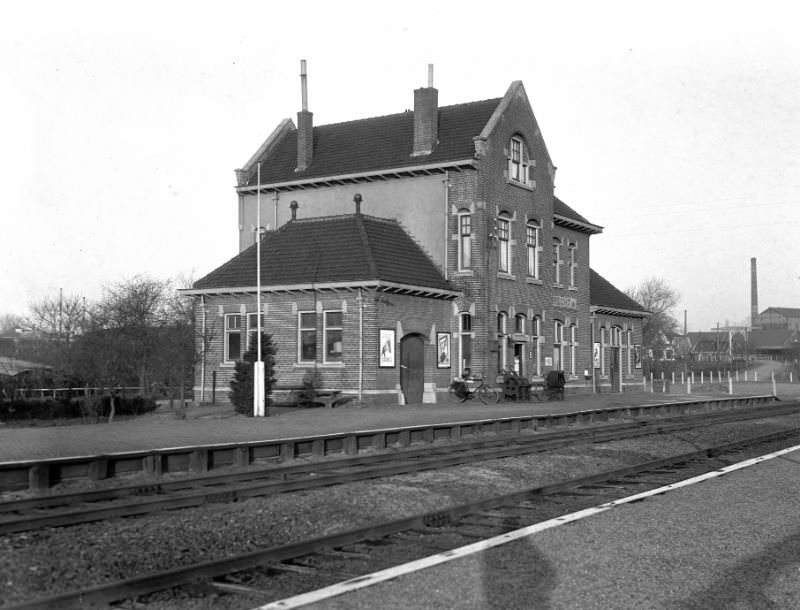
<point x="484" y="269"/>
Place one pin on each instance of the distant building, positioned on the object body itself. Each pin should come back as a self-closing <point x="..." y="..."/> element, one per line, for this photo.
<point x="787" y="318"/>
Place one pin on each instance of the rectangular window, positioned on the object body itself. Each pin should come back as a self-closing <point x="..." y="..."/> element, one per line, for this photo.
<point x="466" y="341"/>
<point x="233" y="337"/>
<point x="333" y="336"/>
<point x="464" y="241"/>
<point x="534" y="250"/>
<point x="503" y="245"/>
<point x="307" y="336"/>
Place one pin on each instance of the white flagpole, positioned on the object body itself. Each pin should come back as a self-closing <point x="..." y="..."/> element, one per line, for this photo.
<point x="258" y="368"/>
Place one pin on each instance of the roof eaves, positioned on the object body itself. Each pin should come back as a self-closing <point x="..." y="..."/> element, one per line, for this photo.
<point x="393" y="172"/>
<point x="616" y="311"/>
<point x="571" y="223"/>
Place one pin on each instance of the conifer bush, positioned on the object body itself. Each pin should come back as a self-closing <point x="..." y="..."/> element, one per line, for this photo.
<point x="242" y="383"/>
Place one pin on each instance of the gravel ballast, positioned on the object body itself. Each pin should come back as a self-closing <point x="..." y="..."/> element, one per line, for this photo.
<point x="46" y="562"/>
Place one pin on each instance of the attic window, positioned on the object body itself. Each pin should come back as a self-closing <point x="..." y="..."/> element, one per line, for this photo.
<point x="518" y="161"/>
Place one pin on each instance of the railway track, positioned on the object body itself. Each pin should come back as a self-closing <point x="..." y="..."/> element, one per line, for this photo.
<point x="61" y="510"/>
<point x="271" y="574"/>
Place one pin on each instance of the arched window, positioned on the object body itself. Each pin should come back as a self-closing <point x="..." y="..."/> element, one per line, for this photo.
<point x="557" y="243"/>
<point x="558" y="345"/>
<point x="536" y="335"/>
<point x="504" y="243"/>
<point x="518" y="161"/>
<point x="502" y="332"/>
<point x="465" y="340"/>
<point x="464" y="240"/>
<point x="534" y="247"/>
<point x="573" y="346"/>
<point x="573" y="263"/>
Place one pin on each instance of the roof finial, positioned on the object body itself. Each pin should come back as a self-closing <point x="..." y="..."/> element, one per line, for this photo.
<point x="293" y="206"/>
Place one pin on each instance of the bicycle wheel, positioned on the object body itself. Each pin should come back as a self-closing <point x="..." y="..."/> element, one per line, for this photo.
<point x="457" y="394"/>
<point x="488" y="396"/>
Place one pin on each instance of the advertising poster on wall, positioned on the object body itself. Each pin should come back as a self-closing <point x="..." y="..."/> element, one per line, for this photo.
<point x="386" y="346"/>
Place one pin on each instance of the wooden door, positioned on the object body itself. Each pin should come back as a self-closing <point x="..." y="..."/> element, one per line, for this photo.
<point x="412" y="368"/>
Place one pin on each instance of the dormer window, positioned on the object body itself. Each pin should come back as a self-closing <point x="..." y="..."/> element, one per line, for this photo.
<point x="518" y="161"/>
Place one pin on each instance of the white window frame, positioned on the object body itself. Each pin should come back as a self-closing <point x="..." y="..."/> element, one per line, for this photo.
<point x="503" y="244"/>
<point x="629" y="359"/>
<point x="306" y="329"/>
<point x="252" y="327"/>
<point x="517" y="160"/>
<point x="230" y="328"/>
<point x="534" y="248"/>
<point x="465" y="335"/>
<point x="464" y="241"/>
<point x="603" y="347"/>
<point x="573" y="345"/>
<point x="573" y="263"/>
<point x="536" y="331"/>
<point x="332" y="328"/>
<point x="558" y="343"/>
<point x="557" y="243"/>
<point x="519" y="323"/>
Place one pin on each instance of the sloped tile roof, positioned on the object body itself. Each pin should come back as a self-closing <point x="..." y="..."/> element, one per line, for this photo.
<point x="376" y="143"/>
<point x="789" y="312"/>
<point x="777" y="338"/>
<point x="562" y="209"/>
<point x="333" y="249"/>
<point x="603" y="293"/>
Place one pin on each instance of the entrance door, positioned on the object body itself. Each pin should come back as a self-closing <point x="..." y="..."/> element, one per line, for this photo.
<point x="412" y="368"/>
<point x="614" y="369"/>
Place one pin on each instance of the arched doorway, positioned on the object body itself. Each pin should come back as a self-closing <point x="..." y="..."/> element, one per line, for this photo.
<point x="412" y="367"/>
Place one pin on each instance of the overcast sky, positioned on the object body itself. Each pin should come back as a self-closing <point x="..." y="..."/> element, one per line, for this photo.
<point x="674" y="125"/>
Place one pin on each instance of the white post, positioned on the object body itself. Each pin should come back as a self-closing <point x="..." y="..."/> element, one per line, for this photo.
<point x="644" y="383"/>
<point x="651" y="382"/>
<point x="730" y="385"/>
<point x="791" y="377"/>
<point x="682" y="380"/>
<point x="702" y="377"/>
<point x="737" y="376"/>
<point x="258" y="365"/>
<point x="774" y="387"/>
<point x="688" y="385"/>
<point x="673" y="377"/>
<point x="692" y="376"/>
<point x="755" y="375"/>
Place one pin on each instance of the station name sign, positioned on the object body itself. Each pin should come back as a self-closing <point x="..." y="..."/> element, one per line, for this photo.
<point x="565" y="302"/>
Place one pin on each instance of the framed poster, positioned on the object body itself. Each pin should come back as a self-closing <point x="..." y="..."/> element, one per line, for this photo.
<point x="443" y="350"/>
<point x="637" y="356"/>
<point x="386" y="348"/>
<point x="596" y="355"/>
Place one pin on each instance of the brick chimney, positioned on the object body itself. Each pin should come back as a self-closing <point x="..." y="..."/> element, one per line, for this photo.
<point x="426" y="117"/>
<point x="305" y="127"/>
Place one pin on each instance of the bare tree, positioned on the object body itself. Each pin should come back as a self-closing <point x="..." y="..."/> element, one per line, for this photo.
<point x="659" y="298"/>
<point x="60" y="317"/>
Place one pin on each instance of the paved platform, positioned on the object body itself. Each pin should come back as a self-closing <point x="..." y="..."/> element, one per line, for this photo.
<point x="730" y="542"/>
<point x="220" y="424"/>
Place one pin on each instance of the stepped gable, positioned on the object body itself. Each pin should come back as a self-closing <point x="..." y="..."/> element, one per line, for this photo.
<point x="376" y="143"/>
<point x="334" y="249"/>
<point x="603" y="294"/>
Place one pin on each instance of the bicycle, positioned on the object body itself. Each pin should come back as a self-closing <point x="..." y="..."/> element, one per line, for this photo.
<point x="462" y="390"/>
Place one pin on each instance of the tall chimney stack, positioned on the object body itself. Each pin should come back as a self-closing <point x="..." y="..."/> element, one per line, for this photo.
<point x="753" y="292"/>
<point x="305" y="126"/>
<point x="426" y="117"/>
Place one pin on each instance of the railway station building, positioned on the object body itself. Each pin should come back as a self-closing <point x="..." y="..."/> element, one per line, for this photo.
<point x="403" y="250"/>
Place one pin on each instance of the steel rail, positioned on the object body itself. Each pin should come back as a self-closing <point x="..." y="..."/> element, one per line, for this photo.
<point x="133" y="587"/>
<point x="363" y="468"/>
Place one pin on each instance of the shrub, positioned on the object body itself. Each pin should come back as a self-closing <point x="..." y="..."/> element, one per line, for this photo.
<point x="241" y="395"/>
